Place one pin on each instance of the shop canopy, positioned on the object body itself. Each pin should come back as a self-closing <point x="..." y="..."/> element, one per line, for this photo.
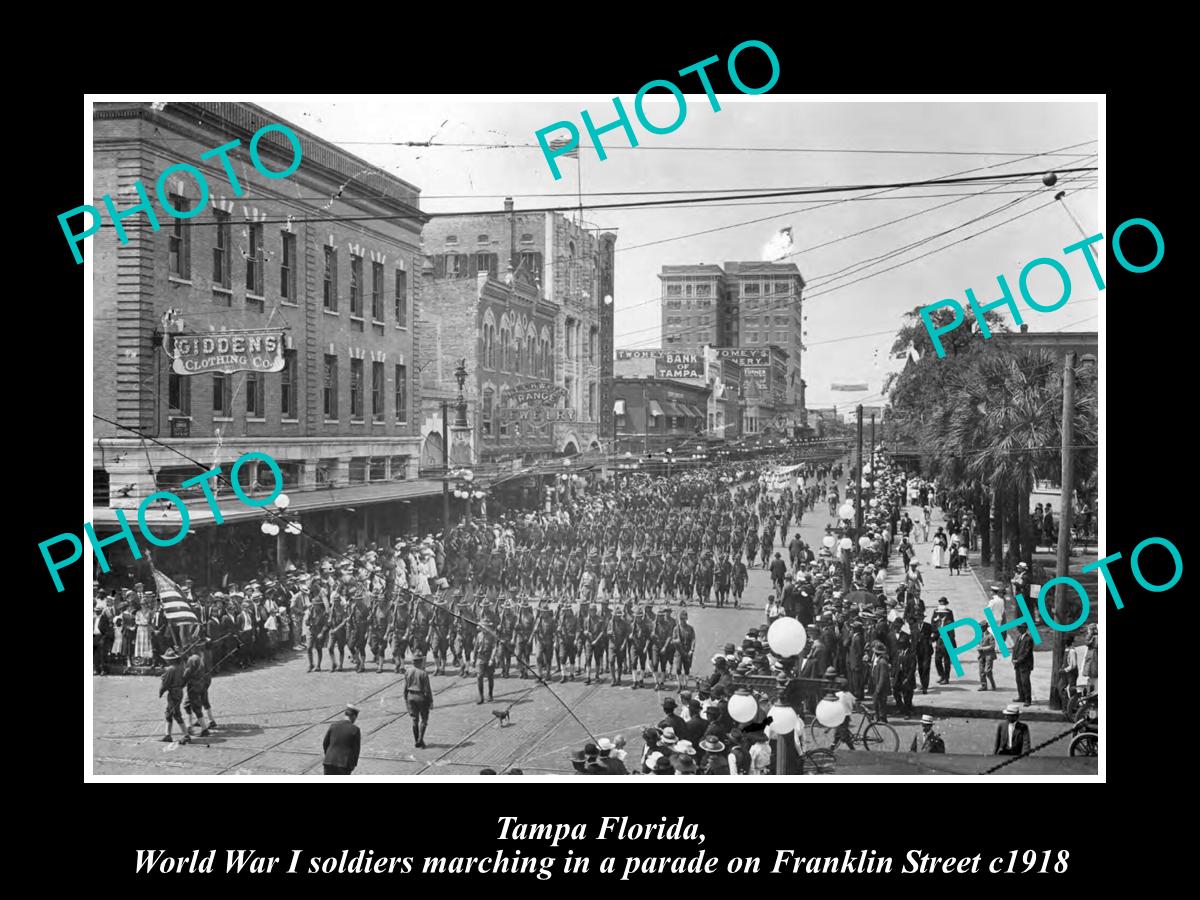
<point x="655" y="409"/>
<point x="619" y="407"/>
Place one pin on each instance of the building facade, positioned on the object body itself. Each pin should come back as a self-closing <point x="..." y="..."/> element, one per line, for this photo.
<point x="654" y="414"/>
<point x="321" y="268"/>
<point x="570" y="269"/>
<point x="742" y="304"/>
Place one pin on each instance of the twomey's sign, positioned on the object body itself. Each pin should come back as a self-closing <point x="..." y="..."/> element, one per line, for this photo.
<point x="679" y="365"/>
<point x="745" y="356"/>
<point x="256" y="350"/>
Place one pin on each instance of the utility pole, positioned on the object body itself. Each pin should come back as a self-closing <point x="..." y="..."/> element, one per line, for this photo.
<point x="858" y="507"/>
<point x="1064" y="522"/>
<point x="445" y="467"/>
<point x="872" y="451"/>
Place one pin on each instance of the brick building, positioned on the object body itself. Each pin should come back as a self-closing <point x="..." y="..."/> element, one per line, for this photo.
<point x="567" y="269"/>
<point x="282" y="260"/>
<point x="742" y="304"/>
<point x="654" y="414"/>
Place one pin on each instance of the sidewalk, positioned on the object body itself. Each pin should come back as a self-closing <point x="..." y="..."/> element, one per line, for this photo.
<point x="967" y="598"/>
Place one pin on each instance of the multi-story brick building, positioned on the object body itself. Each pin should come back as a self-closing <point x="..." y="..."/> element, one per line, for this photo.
<point x="742" y="304"/>
<point x="327" y="263"/>
<point x="558" y="267"/>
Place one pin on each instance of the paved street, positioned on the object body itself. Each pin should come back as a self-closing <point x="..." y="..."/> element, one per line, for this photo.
<point x="273" y="717"/>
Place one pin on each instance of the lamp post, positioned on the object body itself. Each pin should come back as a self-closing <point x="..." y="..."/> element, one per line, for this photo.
<point x="460" y="421"/>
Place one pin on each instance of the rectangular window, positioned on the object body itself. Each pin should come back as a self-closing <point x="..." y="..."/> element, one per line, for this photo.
<point x="331" y="386"/>
<point x="749" y="289"/>
<point x="287" y="268"/>
<point x="330" y="284"/>
<point x="401" y="298"/>
<point x="752" y="338"/>
<point x="532" y="264"/>
<point x="401" y="394"/>
<point x="255" y="407"/>
<point x="399" y="468"/>
<point x="287" y="386"/>
<point x="221" y="274"/>
<point x="377" y="392"/>
<point x="591" y="412"/>
<point x="377" y="291"/>
<point x="358" y="470"/>
<point x="487" y="262"/>
<point x="179" y="391"/>
<point x="704" y="290"/>
<point x="222" y="396"/>
<point x="674" y="290"/>
<point x="453" y="265"/>
<point x="255" y="260"/>
<point x="356" y="285"/>
<point x="377" y="470"/>
<point x="356" y="390"/>
<point x="327" y="471"/>
<point x="179" y="241"/>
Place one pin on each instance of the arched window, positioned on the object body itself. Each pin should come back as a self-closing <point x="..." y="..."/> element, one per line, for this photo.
<point x="489" y="340"/>
<point x="531" y="352"/>
<point x="488" y="410"/>
<point x="505" y="347"/>
<point x="503" y="405"/>
<point x="519" y="355"/>
<point x="571" y="266"/>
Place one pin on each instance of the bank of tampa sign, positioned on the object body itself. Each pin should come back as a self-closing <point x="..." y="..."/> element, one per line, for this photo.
<point x="252" y="350"/>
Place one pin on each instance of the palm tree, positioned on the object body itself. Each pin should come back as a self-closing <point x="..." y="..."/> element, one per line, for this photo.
<point x="1003" y="420"/>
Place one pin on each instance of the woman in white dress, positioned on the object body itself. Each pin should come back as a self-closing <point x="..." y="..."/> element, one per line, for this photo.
<point x="937" y="553"/>
<point x="144" y="648"/>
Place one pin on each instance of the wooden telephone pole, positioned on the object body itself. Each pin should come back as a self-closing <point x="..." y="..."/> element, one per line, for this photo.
<point x="1062" y="567"/>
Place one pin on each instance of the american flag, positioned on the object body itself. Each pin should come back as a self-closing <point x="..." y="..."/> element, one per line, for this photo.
<point x="176" y="609"/>
<point x="559" y="143"/>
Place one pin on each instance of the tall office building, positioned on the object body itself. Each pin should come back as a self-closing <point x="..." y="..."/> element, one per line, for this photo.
<point x="743" y="304"/>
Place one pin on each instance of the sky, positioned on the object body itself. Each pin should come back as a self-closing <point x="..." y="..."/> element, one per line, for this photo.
<point x="844" y="319"/>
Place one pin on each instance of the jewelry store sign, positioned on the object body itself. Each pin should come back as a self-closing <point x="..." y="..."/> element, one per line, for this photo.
<point x="258" y="350"/>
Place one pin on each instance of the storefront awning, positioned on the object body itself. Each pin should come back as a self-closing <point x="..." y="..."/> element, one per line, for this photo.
<point x="619" y="407"/>
<point x="233" y="510"/>
<point x="693" y="411"/>
<point x="673" y="409"/>
<point x="655" y="409"/>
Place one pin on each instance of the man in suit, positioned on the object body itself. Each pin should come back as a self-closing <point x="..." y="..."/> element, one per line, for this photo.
<point x="671" y="719"/>
<point x="1012" y="736"/>
<point x="342" y="743"/>
<point x="1022" y="660"/>
<point x="881" y="681"/>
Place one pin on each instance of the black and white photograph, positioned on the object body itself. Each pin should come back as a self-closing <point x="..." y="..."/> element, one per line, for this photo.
<point x="711" y="431"/>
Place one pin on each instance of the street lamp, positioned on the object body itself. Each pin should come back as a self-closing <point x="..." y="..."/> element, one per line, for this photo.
<point x="460" y="375"/>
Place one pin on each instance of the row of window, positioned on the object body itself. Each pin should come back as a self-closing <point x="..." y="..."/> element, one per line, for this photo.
<point x="483" y="239"/>
<point x="358" y="288"/>
<point x="688" y="337"/>
<point x="468" y="265"/>
<point x="689" y="321"/>
<point x="699" y="290"/>
<point x="253" y="389"/>
<point x="257" y="257"/>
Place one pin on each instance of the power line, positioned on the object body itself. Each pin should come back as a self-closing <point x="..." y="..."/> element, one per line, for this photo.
<point x="836" y="189"/>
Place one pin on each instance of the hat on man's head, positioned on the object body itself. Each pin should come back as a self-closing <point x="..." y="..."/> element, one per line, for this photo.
<point x="351" y="708"/>
<point x="1012" y="709"/>
<point x="927" y="720"/>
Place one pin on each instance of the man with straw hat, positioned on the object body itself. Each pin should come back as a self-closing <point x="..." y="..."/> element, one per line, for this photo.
<point x="342" y="743"/>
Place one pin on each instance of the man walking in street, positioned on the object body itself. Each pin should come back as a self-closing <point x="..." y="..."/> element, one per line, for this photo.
<point x="943" y="615"/>
<point x="881" y="681"/>
<point x="342" y="743"/>
<point x="418" y="694"/>
<point x="928" y="741"/>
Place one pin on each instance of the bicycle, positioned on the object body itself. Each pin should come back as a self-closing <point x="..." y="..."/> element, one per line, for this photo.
<point x="1087" y="727"/>
<point x="871" y="734"/>
<point x="819" y="761"/>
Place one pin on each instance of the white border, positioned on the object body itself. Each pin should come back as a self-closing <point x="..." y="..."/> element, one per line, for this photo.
<point x="89" y="194"/>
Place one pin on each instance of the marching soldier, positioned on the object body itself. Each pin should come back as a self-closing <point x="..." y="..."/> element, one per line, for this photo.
<point x="418" y="695"/>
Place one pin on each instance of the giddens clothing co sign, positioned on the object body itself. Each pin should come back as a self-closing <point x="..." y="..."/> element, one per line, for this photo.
<point x="227" y="351"/>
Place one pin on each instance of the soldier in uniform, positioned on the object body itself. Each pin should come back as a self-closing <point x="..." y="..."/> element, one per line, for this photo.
<point x="485" y="651"/>
<point x="683" y="637"/>
<point x="357" y="626"/>
<point x="739" y="581"/>
<point x="379" y="617"/>
<point x="596" y="632"/>
<point x="722" y="575"/>
<point x="523" y="635"/>
<point x="398" y="630"/>
<point x="618" y="641"/>
<point x="339" y="619"/>
<point x="566" y="634"/>
<point x="418" y="695"/>
<point x="546" y="625"/>
<point x="172" y="685"/>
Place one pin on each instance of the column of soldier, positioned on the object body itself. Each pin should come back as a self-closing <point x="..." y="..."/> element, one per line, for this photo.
<point x="878" y="646"/>
<point x="586" y="591"/>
